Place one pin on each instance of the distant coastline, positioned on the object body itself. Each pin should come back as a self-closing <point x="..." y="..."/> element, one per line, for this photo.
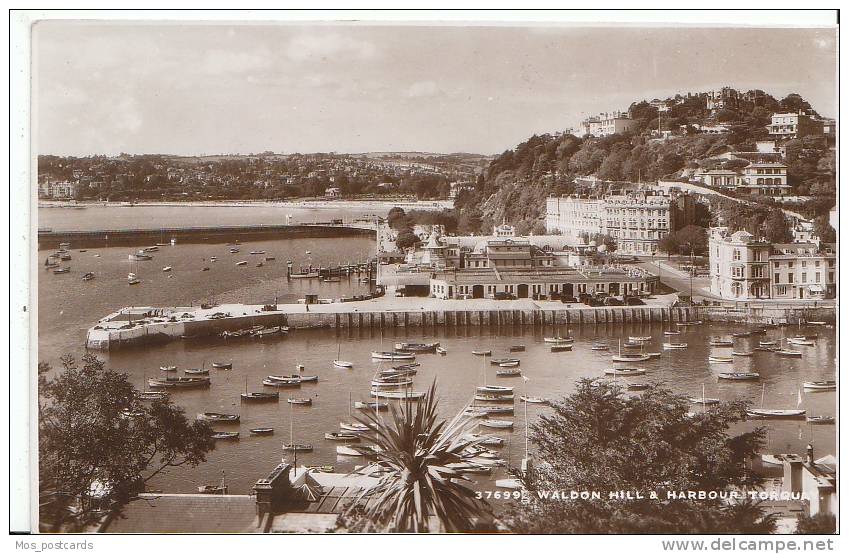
<point x="303" y="204"/>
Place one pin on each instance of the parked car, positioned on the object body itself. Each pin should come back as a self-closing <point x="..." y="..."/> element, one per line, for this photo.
<point x="568" y="299"/>
<point x="504" y="296"/>
<point x="634" y="301"/>
<point x="612" y="301"/>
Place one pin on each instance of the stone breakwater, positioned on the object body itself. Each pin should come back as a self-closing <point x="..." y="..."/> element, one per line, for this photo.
<point x="145" y="325"/>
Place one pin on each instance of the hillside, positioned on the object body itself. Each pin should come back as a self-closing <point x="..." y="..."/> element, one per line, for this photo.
<point x="515" y="184"/>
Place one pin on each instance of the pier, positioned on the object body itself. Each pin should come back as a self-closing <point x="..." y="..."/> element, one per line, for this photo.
<point x="48" y="238"/>
<point x="146" y="325"/>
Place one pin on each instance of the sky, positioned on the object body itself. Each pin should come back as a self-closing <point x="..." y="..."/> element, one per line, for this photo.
<point x="189" y="89"/>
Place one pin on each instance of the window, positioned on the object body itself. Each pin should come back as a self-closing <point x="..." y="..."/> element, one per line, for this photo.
<point x="781" y="291"/>
<point x="817" y="277"/>
<point x="790" y="278"/>
<point x="775" y="265"/>
<point x="777" y="277"/>
<point x="736" y="256"/>
<point x="816" y="263"/>
<point x="830" y="276"/>
<point x="757" y="271"/>
<point x="737" y="272"/>
<point x="804" y="277"/>
<point x="736" y="288"/>
<point x="790" y="265"/>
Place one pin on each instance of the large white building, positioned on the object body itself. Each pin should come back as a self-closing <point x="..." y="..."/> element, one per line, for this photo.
<point x="637" y="220"/>
<point x="743" y="268"/>
<point x="606" y="124"/>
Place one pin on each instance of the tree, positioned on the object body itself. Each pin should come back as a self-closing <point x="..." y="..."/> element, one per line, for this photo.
<point x="97" y="442"/>
<point x="406" y="239"/>
<point x="820" y="524"/>
<point x="824" y="230"/>
<point x="418" y="449"/>
<point x="600" y="439"/>
<point x="776" y="227"/>
<point x="397" y="218"/>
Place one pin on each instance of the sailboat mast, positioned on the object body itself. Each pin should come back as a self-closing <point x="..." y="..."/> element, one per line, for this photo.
<point x="292" y="438"/>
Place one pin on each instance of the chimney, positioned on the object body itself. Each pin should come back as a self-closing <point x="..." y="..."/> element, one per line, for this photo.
<point x="271" y="491"/>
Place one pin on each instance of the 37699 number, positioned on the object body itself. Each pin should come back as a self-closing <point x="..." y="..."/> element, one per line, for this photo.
<point x="499" y="495"/>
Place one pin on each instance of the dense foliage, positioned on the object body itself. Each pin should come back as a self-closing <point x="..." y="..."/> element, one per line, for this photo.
<point x="601" y="439"/>
<point x="516" y="183"/>
<point x="98" y="444"/>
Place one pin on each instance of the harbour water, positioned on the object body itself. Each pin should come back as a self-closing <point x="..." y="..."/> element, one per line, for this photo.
<point x="98" y="216"/>
<point x="68" y="305"/>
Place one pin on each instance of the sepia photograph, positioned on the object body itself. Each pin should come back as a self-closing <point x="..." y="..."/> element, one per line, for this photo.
<point x="523" y="274"/>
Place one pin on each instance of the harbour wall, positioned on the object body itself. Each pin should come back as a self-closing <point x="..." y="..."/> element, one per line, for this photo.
<point x="220" y="234"/>
<point x="104" y="338"/>
<point x="769" y="314"/>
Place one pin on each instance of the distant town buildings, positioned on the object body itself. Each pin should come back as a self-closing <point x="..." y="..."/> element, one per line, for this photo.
<point x="724" y="98"/>
<point x="636" y="219"/>
<point x="62" y="190"/>
<point x="745" y="268"/>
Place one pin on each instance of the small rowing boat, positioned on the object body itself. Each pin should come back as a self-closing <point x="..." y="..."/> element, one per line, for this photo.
<point x="226" y="435"/>
<point x="482" y="352"/>
<point x="744" y="353"/>
<point x="801" y="342"/>
<point x="496" y="423"/>
<point x="222" y="365"/>
<point x="517" y="348"/>
<point x="630" y="357"/>
<point x="820" y="420"/>
<point x="499" y="361"/>
<point x="167" y="368"/>
<point x="216" y="417"/>
<point x="720" y="359"/>
<point x="300" y="401"/>
<point x="342" y="437"/>
<point x="533" y="399"/>
<point x="262" y="431"/>
<point x="721" y="342"/>
<point x="768" y="413"/>
<point x="508" y="373"/>
<point x="297" y="447"/>
<point x="740" y="376"/>
<point x="392" y="356"/>
<point x="200" y="371"/>
<point x="624" y="371"/>
<point x="490" y="397"/>
<point x="789" y="353"/>
<point x="495" y="389"/>
<point x="820" y="385"/>
<point x="260" y="396"/>
<point x="674" y="345"/>
<point x="561" y="348"/>
<point x="600" y="347"/>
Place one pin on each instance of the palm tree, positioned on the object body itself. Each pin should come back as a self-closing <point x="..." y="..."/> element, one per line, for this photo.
<point x="416" y="447"/>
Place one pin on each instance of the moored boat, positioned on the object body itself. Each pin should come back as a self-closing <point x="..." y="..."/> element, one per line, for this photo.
<point x="508" y="373"/>
<point x="744" y="353"/>
<point x="260" y="396"/>
<point x="820" y="420"/>
<point x="517" y="348"/>
<point x="740" y="376"/>
<point x="482" y="352"/>
<point x="366" y="450"/>
<point x="300" y="401"/>
<point x="225" y="435"/>
<point x="297" y="447"/>
<point x="533" y="399"/>
<point x="355" y="427"/>
<point x="630" y="357"/>
<point x="771" y="413"/>
<point x="261" y="431"/>
<point x="152" y="395"/>
<point x="787" y="352"/>
<point x="674" y="345"/>
<point x="820" y="385"/>
<point x="416" y="346"/>
<point x="561" y="348"/>
<point x="496" y="423"/>
<point x="200" y="371"/>
<point x="721" y="342"/>
<point x="767" y="343"/>
<point x="88" y="276"/>
<point x="222" y="365"/>
<point x="600" y="347"/>
<point x="495" y="389"/>
<point x="720" y="359"/>
<point x="801" y="341"/>
<point x="624" y="371"/>
<point x="392" y="383"/>
<point x="392" y="356"/>
<point x="281" y="383"/>
<point x="217" y="417"/>
<point x="441" y="351"/>
<point x="342" y="364"/>
<point x="640" y="339"/>
<point x="342" y="437"/>
<point x="704" y="401"/>
<point x="490" y="397"/>
<point x="405" y="395"/>
<point x="179" y="382"/>
<point x="558" y="339"/>
<point x="167" y="368"/>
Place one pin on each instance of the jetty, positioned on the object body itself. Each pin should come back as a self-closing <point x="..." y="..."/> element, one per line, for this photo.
<point x="146" y="325"/>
